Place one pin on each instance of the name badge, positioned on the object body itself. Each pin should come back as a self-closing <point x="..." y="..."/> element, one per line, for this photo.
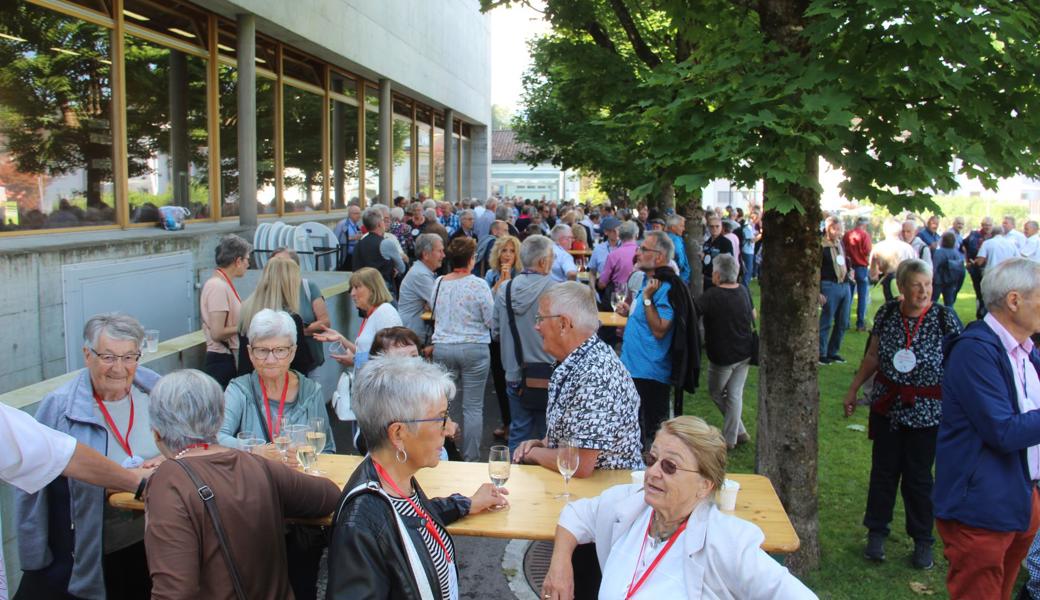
<point x="707" y="259"/>
<point x="133" y="462"/>
<point x="904" y="361"/>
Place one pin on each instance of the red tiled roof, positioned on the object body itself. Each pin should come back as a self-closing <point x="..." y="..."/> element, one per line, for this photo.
<point x="505" y="147"/>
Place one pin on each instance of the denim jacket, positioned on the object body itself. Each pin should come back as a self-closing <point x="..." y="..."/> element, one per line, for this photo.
<point x="70" y="409"/>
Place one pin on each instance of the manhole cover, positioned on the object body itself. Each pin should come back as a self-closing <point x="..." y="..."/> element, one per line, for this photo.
<point x="536" y="564"/>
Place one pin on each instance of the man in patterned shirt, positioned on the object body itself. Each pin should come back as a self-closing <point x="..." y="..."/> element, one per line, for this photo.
<point x="592" y="400"/>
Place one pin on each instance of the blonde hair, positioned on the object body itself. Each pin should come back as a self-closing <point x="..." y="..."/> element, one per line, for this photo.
<point x="580" y="233"/>
<point x="278" y="289"/>
<point x="496" y="251"/>
<point x="706" y="444"/>
<point x="371" y="279"/>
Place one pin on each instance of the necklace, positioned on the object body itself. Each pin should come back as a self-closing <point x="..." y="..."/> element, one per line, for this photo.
<point x="189" y="448"/>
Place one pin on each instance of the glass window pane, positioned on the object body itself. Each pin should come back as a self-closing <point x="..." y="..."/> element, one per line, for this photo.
<point x="438" y="165"/>
<point x="166" y="131"/>
<point x="302" y="67"/>
<point x="228" y="86"/>
<point x="302" y="177"/>
<point x="343" y="119"/>
<point x="423" y="183"/>
<point x="402" y="177"/>
<point x="371" y="145"/>
<point x="265" y="189"/>
<point x="172" y="18"/>
<point x="467" y="171"/>
<point x="55" y="120"/>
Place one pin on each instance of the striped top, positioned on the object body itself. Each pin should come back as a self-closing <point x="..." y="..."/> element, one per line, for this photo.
<point x="440" y="564"/>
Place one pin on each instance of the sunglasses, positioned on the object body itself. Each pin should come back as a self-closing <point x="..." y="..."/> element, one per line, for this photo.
<point x="668" y="466"/>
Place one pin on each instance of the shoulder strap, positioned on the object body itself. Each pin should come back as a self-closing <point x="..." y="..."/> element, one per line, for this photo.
<point x="436" y="292"/>
<point x="260" y="412"/>
<point x="209" y="501"/>
<point x="518" y="347"/>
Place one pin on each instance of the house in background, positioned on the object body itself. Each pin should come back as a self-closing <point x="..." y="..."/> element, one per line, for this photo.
<point x="511" y="176"/>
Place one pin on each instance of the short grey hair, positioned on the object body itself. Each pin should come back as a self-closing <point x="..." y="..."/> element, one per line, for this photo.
<point x="231" y="247"/>
<point x="391" y="389"/>
<point x="664" y="243"/>
<point x="491" y="202"/>
<point x="425" y="243"/>
<point x="268" y="324"/>
<point x="118" y="326"/>
<point x="383" y="209"/>
<point x="502" y="213"/>
<point x="535" y="248"/>
<point x="430" y="214"/>
<point x="467" y="213"/>
<point x="674" y="220"/>
<point x="186" y="407"/>
<point x="1020" y="275"/>
<point x="559" y="231"/>
<point x="576" y="302"/>
<point x="428" y="204"/>
<point x="397" y="213"/>
<point x="726" y="266"/>
<point x="372" y="217"/>
<point x="910" y="267"/>
<point x="628" y="230"/>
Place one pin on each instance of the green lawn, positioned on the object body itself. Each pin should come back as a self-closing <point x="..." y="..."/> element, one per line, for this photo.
<point x="844" y="470"/>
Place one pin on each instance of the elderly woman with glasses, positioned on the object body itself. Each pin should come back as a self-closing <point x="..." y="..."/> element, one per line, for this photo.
<point x="665" y="538"/>
<point x="388" y="539"/>
<point x="71" y="543"/>
<point x="253" y="497"/>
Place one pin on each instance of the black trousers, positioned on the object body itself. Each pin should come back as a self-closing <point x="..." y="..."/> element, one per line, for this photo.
<point x="220" y="366"/>
<point x="587" y="574"/>
<point x="654" y="401"/>
<point x="126" y="578"/>
<point x="976" y="283"/>
<point x="498" y="376"/>
<point x="901" y="459"/>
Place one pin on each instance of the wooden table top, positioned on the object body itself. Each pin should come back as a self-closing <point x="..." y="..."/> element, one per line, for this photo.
<point x="534" y="509"/>
<point x="580" y="252"/>
<point x="612" y="319"/>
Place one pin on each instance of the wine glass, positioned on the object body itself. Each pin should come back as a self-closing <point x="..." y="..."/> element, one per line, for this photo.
<point x="498" y="468"/>
<point x="248" y="441"/>
<point x="282" y="440"/>
<point x="306" y="454"/>
<point x="316" y="437"/>
<point x="567" y="459"/>
<point x="618" y="295"/>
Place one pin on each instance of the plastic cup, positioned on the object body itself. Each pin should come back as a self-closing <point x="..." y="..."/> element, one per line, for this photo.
<point x="637" y="477"/>
<point x="728" y="495"/>
<point x="151" y="340"/>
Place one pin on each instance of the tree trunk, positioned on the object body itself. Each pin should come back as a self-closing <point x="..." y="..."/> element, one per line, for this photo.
<point x="694" y="238"/>
<point x="666" y="197"/>
<point x="788" y="391"/>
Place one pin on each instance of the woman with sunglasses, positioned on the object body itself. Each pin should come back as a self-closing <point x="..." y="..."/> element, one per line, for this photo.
<point x="388" y="539"/>
<point x="665" y="538"/>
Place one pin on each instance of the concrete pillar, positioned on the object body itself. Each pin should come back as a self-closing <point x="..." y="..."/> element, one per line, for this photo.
<point x="247" y="120"/>
<point x="386" y="142"/>
<point x="480" y="171"/>
<point x="451" y="185"/>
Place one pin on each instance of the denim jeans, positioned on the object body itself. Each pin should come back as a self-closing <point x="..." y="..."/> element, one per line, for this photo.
<point x="526" y="424"/>
<point x="862" y="287"/>
<point x="834" y="316"/>
<point x="748" y="258"/>
<point x="469" y="364"/>
<point x="948" y="293"/>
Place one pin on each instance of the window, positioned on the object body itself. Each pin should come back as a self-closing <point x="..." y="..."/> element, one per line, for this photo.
<point x="372" y="145"/>
<point x="345" y="170"/>
<point x="423" y="185"/>
<point x="402" y="158"/>
<point x="227" y="83"/>
<point x="438" y="165"/>
<point x="302" y="180"/>
<point x="265" y="115"/>
<point x="56" y="152"/>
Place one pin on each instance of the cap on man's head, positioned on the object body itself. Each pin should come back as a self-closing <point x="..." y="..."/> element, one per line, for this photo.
<point x="609" y="223"/>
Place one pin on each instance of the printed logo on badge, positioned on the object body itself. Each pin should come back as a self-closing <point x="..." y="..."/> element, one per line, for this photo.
<point x="904" y="361"/>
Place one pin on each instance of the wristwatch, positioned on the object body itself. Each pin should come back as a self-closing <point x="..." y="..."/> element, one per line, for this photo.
<point x="647" y="302"/>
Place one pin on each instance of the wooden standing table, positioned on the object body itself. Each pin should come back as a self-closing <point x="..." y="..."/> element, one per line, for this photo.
<point x="534" y="509"/>
<point x="612" y="319"/>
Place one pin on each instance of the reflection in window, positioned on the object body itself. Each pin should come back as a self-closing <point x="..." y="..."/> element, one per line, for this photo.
<point x="265" y="189"/>
<point x="55" y="120"/>
<point x="372" y="146"/>
<point x="345" y="168"/>
<point x="227" y="81"/>
<point x="166" y="130"/>
<point x="438" y="165"/>
<point x="402" y="177"/>
<point x="466" y="164"/>
<point x="423" y="184"/>
<point x="302" y="183"/>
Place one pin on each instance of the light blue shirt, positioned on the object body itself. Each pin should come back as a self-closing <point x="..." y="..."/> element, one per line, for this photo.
<point x="681" y="260"/>
<point x="563" y="263"/>
<point x="599" y="255"/>
<point x="645" y="356"/>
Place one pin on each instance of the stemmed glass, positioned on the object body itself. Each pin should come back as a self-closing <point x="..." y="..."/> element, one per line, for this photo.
<point x="283" y="440"/>
<point x="305" y="454"/>
<point x="618" y="295"/>
<point x="248" y="441"/>
<point x="316" y="437"/>
<point x="567" y="459"/>
<point x="498" y="468"/>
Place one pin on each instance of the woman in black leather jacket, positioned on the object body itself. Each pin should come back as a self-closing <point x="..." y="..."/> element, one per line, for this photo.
<point x="388" y="539"/>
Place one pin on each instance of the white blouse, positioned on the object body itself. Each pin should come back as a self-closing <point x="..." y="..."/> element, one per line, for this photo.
<point x="666" y="580"/>
<point x="385" y="315"/>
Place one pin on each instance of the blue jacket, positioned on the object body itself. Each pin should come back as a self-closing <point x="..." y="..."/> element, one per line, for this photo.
<point x="70" y="409"/>
<point x="981" y="470"/>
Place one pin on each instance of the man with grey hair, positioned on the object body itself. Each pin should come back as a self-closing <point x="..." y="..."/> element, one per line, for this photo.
<point x="909" y="234"/>
<point x="675" y="225"/>
<point x="513" y="327"/>
<point x="619" y="264"/>
<point x="886" y="256"/>
<point x="591" y="398"/>
<point x="987" y="458"/>
<point x="486" y="218"/>
<point x="563" y="268"/>
<point x="417" y="285"/>
<point x="995" y="250"/>
<point x="348" y="233"/>
<point x="1012" y="233"/>
<point x="465" y="228"/>
<point x="718" y="243"/>
<point x="371" y="250"/>
<point x="483" y="254"/>
<point x="1031" y="247"/>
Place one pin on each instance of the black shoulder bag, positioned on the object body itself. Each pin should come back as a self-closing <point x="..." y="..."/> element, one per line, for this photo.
<point x="534" y="377"/>
<point x="433" y="311"/>
<point x="209" y="501"/>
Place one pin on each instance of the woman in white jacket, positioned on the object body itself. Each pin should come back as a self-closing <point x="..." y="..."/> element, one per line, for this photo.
<point x="666" y="538"/>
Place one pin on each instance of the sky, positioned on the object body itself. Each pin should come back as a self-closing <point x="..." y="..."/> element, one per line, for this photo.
<point x="511" y="28"/>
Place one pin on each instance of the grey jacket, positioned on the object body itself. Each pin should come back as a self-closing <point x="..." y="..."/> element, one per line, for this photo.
<point x="240" y="411"/>
<point x="70" y="409"/>
<point x="527" y="288"/>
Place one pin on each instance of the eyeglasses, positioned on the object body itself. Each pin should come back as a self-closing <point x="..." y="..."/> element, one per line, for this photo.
<point x="645" y="249"/>
<point x="668" y="466"/>
<point x="111" y="359"/>
<point x="281" y="352"/>
<point x="539" y="318"/>
<point x="443" y="420"/>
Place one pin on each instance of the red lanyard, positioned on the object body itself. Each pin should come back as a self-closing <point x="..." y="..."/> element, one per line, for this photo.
<point x="428" y="522"/>
<point x="634" y="585"/>
<point x="362" y="328"/>
<point x="910" y="336"/>
<point x="228" y="280"/>
<point x="124" y="442"/>
<point x="271" y="427"/>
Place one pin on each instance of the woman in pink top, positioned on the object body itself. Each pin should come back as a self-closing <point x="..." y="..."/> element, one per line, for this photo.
<point x="219" y="306"/>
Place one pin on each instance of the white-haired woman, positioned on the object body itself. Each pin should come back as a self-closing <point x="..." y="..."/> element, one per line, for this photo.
<point x="402" y="408"/>
<point x="70" y="542"/>
<point x="665" y="538"/>
<point x="905" y="358"/>
<point x="253" y="497"/>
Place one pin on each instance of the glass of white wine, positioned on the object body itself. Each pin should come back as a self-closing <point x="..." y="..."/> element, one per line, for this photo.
<point x="567" y="459"/>
<point x="316" y="437"/>
<point x="283" y="439"/>
<point x="498" y="468"/>
<point x="306" y="455"/>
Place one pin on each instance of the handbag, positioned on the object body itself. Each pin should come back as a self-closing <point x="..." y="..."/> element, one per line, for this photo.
<point x="341" y="397"/>
<point x="534" y="377"/>
<point x="209" y="501"/>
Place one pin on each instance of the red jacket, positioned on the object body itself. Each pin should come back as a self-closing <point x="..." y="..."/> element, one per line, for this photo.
<point x="857" y="247"/>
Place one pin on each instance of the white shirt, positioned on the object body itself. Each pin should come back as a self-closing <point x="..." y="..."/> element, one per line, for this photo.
<point x="666" y="580"/>
<point x="1017" y="237"/>
<point x="996" y="250"/>
<point x="1031" y="247"/>
<point x="33" y="455"/>
<point x="385" y="315"/>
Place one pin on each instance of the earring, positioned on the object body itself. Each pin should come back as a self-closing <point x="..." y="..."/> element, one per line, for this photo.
<point x="401" y="455"/>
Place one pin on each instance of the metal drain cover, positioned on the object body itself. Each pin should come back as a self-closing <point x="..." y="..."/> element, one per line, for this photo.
<point x="536" y="564"/>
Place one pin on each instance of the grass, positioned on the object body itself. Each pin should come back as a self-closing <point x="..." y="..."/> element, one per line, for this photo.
<point x="844" y="470"/>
